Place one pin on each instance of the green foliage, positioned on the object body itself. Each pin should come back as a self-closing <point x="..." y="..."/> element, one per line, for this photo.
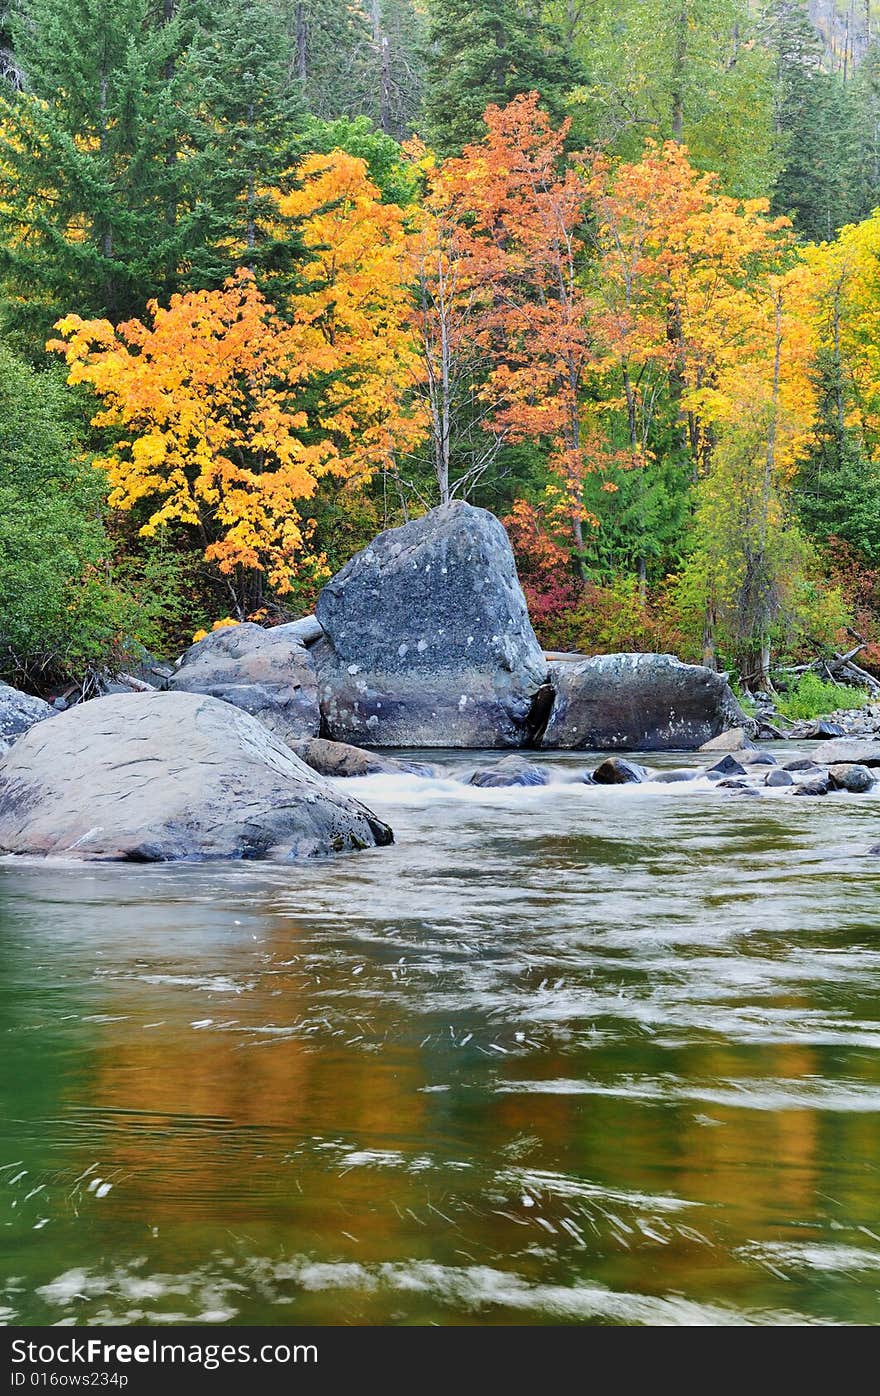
<point x="814" y="697"/>
<point x="358" y="136"/>
<point x="816" y="117"/>
<point x="485" y="52"/>
<point x="97" y="207"/>
<point x="691" y="70"/>
<point x="59" y="607"/>
<point x="247" y="127"/>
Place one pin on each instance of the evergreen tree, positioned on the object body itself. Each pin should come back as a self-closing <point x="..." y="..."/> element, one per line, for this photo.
<point x="93" y="160"/>
<point x="483" y="52"/>
<point x="329" y="52"/>
<point x="815" y="116"/>
<point x="250" y="119"/>
<point x="866" y="101"/>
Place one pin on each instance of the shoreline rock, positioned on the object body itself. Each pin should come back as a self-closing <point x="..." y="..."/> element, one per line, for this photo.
<point x="18" y="713"/>
<point x="638" y="702"/>
<point x="341" y="759"/>
<point x="268" y="673"/>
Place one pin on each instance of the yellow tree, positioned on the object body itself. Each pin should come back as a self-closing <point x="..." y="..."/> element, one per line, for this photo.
<point x="761" y="411"/>
<point x="231" y="414"/>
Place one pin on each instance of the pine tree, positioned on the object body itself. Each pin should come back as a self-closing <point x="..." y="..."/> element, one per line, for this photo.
<point x="93" y="159"/>
<point x="485" y="52"/>
<point x="815" y="117"/>
<point x="250" y="118"/>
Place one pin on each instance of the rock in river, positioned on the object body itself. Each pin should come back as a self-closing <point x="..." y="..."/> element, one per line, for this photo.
<point x="427" y="640"/>
<point x="153" y="777"/>
<point x="638" y="702"/>
<point x="18" y="712"/>
<point x="341" y="759"/>
<point x="513" y="770"/>
<point x="863" y="751"/>
<point x="734" y="739"/>
<point x="268" y="673"/>
<point x="856" y="779"/>
<point x="616" y="771"/>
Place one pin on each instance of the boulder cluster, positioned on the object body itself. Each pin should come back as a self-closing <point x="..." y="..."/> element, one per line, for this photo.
<point x="423" y="640"/>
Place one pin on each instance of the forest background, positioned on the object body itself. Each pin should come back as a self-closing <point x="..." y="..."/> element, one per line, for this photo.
<point x="278" y="274"/>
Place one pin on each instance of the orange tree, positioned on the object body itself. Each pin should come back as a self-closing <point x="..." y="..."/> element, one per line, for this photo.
<point x="523" y="204"/>
<point x="230" y="414"/>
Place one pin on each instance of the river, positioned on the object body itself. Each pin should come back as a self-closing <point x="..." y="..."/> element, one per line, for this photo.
<point x="561" y="1055"/>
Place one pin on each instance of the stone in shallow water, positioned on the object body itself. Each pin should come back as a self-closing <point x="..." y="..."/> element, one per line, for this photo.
<point x="727" y="766"/>
<point x="341" y="759"/>
<point x="616" y="771"/>
<point x="801" y="763"/>
<point x="154" y="777"/>
<point x="756" y="758"/>
<point x="849" y="750"/>
<point x="673" y="777"/>
<point x="513" y="770"/>
<point x="638" y="702"/>
<point x="734" y="739"/>
<point x="856" y="779"/>
<point x="816" y="785"/>
<point x="778" y="777"/>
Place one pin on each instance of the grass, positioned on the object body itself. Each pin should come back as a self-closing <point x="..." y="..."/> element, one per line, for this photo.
<point x="814" y="697"/>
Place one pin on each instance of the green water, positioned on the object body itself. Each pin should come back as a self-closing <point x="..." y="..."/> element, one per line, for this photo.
<point x="560" y="1055"/>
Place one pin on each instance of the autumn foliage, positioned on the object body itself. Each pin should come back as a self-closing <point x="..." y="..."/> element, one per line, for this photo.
<point x="231" y="412"/>
<point x="651" y="338"/>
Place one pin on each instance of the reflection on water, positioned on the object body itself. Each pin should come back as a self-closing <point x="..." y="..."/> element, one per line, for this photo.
<point x="562" y="1054"/>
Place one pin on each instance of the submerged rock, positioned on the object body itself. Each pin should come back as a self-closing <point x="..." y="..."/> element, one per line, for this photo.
<point x="756" y="758"/>
<point x="638" y="702"/>
<point x="856" y="779"/>
<point x="427" y="640"/>
<point x="802" y="763"/>
<point x="673" y="777"/>
<point x="342" y="759"/>
<point x="616" y="771"/>
<point x="18" y="712"/>
<point x="267" y="673"/>
<point x="513" y="770"/>
<point x="154" y="777"/>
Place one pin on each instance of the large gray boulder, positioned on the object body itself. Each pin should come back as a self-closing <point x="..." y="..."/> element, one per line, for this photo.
<point x="427" y="640"/>
<point x="153" y="777"/>
<point x="639" y="702"/>
<point x="268" y="673"/>
<point x="18" y="712"/>
<point x="862" y="751"/>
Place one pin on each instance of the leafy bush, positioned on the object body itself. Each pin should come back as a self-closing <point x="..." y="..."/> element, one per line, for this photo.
<point x="59" y="607"/>
<point x="813" y="697"/>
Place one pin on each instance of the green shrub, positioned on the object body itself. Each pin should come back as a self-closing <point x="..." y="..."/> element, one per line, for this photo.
<point x="59" y="607"/>
<point x="813" y="697"/>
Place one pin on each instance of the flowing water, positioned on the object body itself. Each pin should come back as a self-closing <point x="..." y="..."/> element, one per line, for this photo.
<point x="566" y="1054"/>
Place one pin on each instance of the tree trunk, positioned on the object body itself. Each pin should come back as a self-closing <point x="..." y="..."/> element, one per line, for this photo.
<point x="383" y="48"/>
<point x="679" y="66"/>
<point x="301" y="42"/>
